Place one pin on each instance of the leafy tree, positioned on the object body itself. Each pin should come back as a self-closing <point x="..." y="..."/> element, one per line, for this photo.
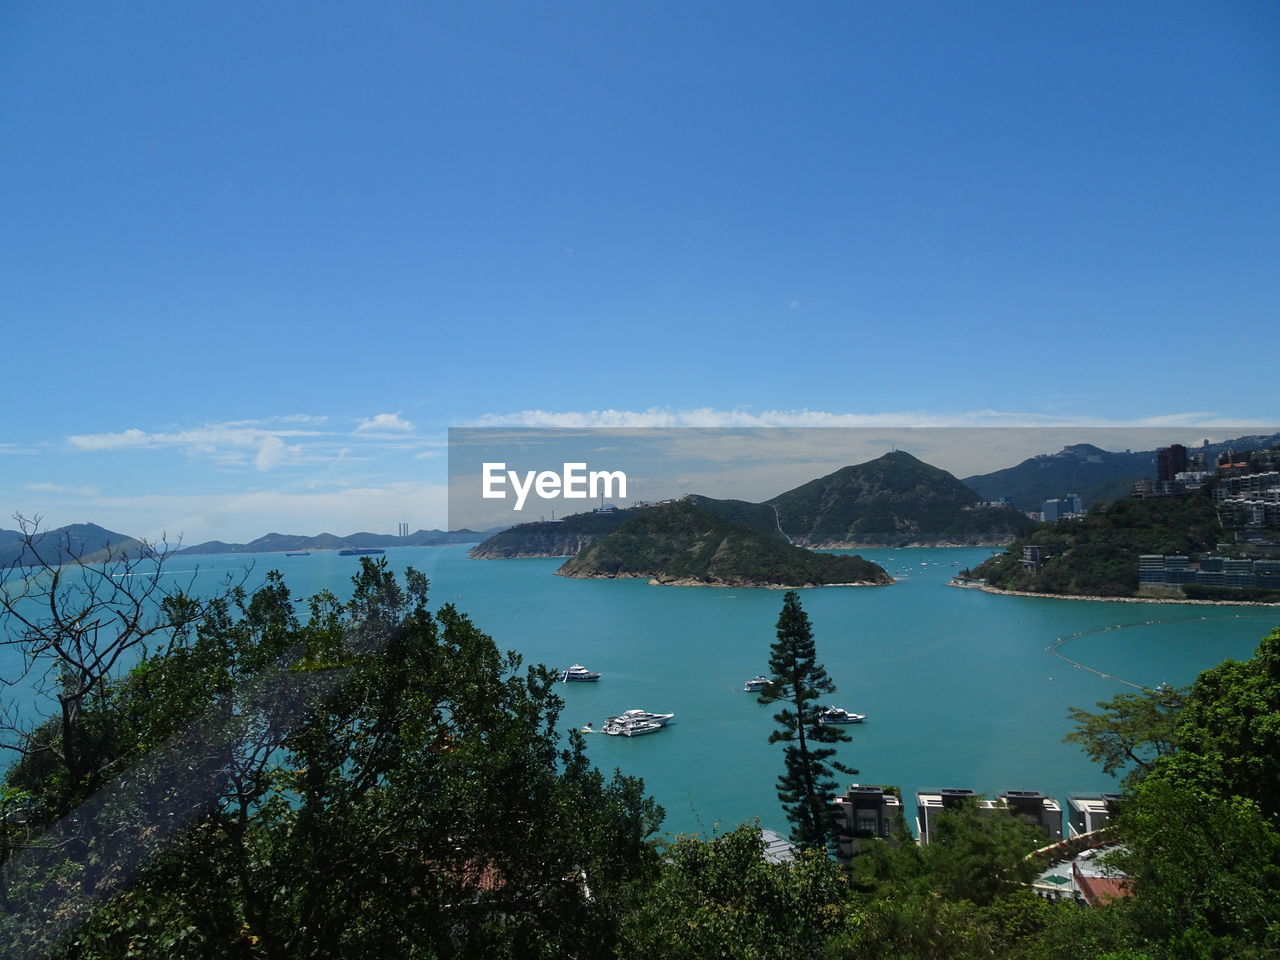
<point x="1204" y="871"/>
<point x="1132" y="730"/>
<point x="1201" y="845"/>
<point x="806" y="787"/>
<point x="1229" y="730"/>
<point x="962" y="895"/>
<point x="721" y="898"/>
<point x="979" y="855"/>
<point x="973" y="854"/>
<point x="379" y="780"/>
<point x="75" y="619"/>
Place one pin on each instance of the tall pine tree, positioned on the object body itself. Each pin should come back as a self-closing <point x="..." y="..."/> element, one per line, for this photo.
<point x="806" y="787"/>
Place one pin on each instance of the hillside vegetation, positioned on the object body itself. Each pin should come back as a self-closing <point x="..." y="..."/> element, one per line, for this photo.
<point x="1100" y="551"/>
<point x="684" y="543"/>
<point x="893" y="501"/>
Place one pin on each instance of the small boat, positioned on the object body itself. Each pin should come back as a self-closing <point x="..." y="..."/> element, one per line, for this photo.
<point x="758" y="682"/>
<point x="636" y="716"/>
<point x="580" y="674"/>
<point x="836" y="715"/>
<point x="633" y="728"/>
<point x="301" y="553"/>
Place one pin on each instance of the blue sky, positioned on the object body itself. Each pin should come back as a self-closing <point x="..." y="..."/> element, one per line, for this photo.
<point x="256" y="258"/>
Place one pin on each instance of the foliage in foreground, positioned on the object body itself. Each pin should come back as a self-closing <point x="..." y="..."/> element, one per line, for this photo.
<point x="380" y="781"/>
<point x="377" y="780"/>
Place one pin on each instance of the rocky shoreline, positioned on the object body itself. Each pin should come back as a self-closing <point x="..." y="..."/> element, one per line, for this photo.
<point x="532" y="555"/>
<point x="692" y="582"/>
<point x="1066" y="596"/>
<point x="902" y="546"/>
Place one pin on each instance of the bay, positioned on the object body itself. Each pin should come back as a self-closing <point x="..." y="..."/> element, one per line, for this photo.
<point x="961" y="688"/>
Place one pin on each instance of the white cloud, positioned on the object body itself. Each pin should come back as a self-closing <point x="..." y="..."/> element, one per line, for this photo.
<point x="60" y="488"/>
<point x="114" y="441"/>
<point x="204" y="439"/>
<point x="384" y="421"/>
<point x="264" y="443"/>
<point x="664" y="418"/>
<point x="274" y="452"/>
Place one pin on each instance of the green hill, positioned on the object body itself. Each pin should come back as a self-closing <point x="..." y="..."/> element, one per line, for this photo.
<point x="86" y="542"/>
<point x="685" y="544"/>
<point x="550" y="538"/>
<point x="893" y="501"/>
<point x="572" y="534"/>
<point x="1098" y="554"/>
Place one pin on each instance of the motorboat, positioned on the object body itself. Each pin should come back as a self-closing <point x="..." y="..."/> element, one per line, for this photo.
<point x="758" y="682"/>
<point x="580" y="674"/>
<point x="635" y="716"/>
<point x="837" y="715"/>
<point x="630" y="728"/>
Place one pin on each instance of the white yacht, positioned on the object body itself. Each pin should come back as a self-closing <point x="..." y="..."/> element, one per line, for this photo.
<point x="630" y="728"/>
<point x="635" y="716"/>
<point x="579" y="673"/>
<point x="836" y="715"/>
<point x="758" y="682"/>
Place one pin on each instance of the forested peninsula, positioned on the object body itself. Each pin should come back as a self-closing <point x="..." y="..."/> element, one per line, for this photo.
<point x="683" y="544"/>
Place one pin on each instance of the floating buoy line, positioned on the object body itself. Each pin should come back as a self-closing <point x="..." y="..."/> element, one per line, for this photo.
<point x="1055" y="648"/>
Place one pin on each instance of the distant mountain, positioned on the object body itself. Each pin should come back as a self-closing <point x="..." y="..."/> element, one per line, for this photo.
<point x="893" y="501"/>
<point x="896" y="500"/>
<point x="687" y="545"/>
<point x="284" y="542"/>
<point x="77" y="541"/>
<point x="1097" y="475"/>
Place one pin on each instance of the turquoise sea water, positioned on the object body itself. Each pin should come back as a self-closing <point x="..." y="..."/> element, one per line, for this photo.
<point x="960" y="687"/>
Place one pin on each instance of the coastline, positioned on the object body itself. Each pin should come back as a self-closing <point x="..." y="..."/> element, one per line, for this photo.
<point x="538" y="555"/>
<point x="690" y="582"/>
<point x="471" y="555"/>
<point x="1065" y="596"/>
<point x="834" y="545"/>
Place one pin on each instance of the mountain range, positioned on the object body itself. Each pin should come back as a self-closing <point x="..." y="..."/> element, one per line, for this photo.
<point x="281" y="542"/>
<point x="892" y="501"/>
<point x="895" y="500"/>
<point x="1097" y="475"/>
